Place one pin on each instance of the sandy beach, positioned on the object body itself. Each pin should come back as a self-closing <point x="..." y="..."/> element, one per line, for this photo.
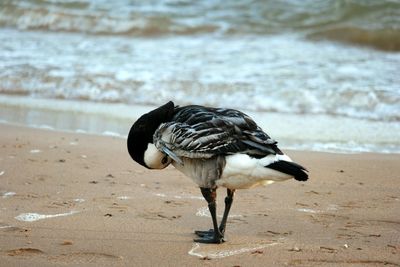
<point x="79" y="200"/>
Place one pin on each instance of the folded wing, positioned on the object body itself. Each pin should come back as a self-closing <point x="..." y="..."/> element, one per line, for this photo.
<point x="200" y="132"/>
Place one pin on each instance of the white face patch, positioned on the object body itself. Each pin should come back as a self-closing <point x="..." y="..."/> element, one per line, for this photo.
<point x="154" y="158"/>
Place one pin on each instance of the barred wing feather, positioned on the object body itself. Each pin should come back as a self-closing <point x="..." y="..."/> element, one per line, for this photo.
<point x="199" y="132"/>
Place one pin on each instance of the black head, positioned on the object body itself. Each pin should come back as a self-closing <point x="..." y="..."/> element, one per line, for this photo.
<point x="141" y="133"/>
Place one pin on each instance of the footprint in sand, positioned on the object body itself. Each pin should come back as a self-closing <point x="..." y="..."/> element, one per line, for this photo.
<point x="85" y="257"/>
<point x="24" y="252"/>
<point x="9" y="228"/>
<point x="153" y="215"/>
<point x="75" y="257"/>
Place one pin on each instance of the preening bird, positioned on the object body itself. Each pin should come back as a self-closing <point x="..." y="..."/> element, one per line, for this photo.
<point x="215" y="147"/>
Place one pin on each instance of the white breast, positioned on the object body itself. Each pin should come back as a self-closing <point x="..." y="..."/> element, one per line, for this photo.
<point x="242" y="171"/>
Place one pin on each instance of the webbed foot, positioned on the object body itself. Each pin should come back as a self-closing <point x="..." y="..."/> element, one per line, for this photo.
<point x="200" y="233"/>
<point x="210" y="239"/>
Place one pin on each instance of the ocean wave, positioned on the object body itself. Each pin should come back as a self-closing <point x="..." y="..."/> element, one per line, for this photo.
<point x="92" y="21"/>
<point x="375" y="23"/>
<point x="364" y="104"/>
<point x="276" y="73"/>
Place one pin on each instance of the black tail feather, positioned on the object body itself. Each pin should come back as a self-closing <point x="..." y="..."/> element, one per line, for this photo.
<point x="297" y="171"/>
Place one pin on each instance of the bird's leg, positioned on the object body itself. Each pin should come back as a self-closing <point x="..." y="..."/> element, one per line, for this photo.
<point x="212" y="236"/>
<point x="202" y="233"/>
<point x="228" y="204"/>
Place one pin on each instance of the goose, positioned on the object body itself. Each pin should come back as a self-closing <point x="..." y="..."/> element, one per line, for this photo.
<point x="215" y="147"/>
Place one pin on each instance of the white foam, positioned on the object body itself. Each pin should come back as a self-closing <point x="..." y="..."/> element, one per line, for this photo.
<point x="184" y="196"/>
<point x="110" y="133"/>
<point x="189" y="197"/>
<point x="31" y="217"/>
<point x="328" y="82"/>
<point x="204" y="212"/>
<point x="226" y="252"/>
<point x="124" y="197"/>
<point x="79" y="200"/>
<point x="46" y="127"/>
<point x="2" y="172"/>
<point x="308" y="210"/>
<point x="8" y="194"/>
<point x="35" y="151"/>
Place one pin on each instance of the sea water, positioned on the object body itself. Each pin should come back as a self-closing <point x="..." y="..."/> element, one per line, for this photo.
<point x="316" y="75"/>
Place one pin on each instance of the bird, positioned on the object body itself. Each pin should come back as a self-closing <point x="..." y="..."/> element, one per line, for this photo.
<point x="215" y="147"/>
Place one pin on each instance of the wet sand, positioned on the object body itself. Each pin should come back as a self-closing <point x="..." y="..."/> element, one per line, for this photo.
<point x="79" y="200"/>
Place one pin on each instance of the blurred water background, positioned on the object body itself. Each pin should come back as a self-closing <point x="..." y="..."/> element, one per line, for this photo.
<point x="316" y="74"/>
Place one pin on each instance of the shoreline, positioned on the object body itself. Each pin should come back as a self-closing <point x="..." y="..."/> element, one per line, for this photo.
<point x="90" y="204"/>
<point x="303" y="132"/>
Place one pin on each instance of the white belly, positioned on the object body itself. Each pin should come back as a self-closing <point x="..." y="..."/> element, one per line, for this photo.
<point x="242" y="171"/>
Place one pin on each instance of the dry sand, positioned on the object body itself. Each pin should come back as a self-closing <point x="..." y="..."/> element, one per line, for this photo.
<point x="94" y="206"/>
